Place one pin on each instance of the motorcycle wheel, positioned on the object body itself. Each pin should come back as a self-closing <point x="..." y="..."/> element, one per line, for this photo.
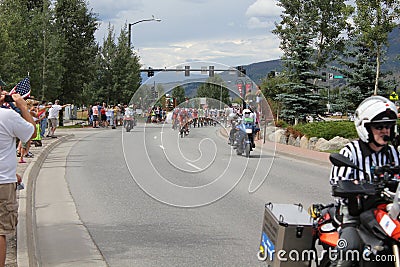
<point x="247" y="150"/>
<point x="325" y="262"/>
<point x="239" y="150"/>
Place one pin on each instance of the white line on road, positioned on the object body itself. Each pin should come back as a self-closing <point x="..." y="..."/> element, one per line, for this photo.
<point x="194" y="166"/>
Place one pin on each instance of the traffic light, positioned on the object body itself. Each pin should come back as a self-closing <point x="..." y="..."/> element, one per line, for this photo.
<point x="211" y="71"/>
<point x="323" y="74"/>
<point x="187" y="70"/>
<point x="150" y="72"/>
<point x="242" y="71"/>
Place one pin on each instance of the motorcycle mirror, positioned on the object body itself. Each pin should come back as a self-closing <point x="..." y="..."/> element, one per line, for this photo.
<point x="342" y="161"/>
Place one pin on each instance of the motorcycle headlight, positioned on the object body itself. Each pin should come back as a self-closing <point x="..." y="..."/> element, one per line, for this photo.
<point x="249" y="131"/>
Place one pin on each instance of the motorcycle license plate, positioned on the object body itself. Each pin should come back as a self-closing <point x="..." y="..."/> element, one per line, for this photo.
<point x="249" y="131"/>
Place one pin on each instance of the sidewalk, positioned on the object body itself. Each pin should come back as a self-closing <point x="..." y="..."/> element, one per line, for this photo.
<point x="49" y="231"/>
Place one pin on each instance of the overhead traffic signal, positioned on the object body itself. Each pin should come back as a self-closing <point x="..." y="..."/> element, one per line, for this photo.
<point x="187" y="70"/>
<point x="211" y="71"/>
<point x="242" y="71"/>
<point x="150" y="72"/>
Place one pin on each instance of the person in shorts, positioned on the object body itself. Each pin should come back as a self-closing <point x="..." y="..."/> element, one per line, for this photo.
<point x="54" y="113"/>
<point x="12" y="126"/>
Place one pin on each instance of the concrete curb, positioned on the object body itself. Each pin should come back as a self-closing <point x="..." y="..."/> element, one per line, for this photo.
<point x="26" y="242"/>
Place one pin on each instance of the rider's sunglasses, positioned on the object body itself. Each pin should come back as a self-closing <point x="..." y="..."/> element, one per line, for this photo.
<point x="381" y="126"/>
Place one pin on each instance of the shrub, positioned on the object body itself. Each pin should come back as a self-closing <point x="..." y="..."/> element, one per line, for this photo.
<point x="281" y="124"/>
<point x="328" y="129"/>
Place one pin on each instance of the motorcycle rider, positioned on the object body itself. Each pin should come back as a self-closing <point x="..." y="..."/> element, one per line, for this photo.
<point x="129" y="112"/>
<point x="250" y="117"/>
<point x="375" y="120"/>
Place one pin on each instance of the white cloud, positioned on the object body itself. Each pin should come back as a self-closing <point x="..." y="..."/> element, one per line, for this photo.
<point x="211" y="30"/>
<point x="264" y="8"/>
<point x="242" y="51"/>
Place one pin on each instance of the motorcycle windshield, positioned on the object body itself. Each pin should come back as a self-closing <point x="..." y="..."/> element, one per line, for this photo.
<point x="395" y="209"/>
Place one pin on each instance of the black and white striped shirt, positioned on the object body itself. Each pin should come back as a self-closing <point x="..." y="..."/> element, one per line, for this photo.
<point x="364" y="157"/>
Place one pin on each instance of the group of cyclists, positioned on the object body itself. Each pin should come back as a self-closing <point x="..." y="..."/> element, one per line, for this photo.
<point x="184" y="118"/>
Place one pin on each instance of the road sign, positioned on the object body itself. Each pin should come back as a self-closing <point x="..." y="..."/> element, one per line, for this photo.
<point x="394" y="96"/>
<point x="338" y="77"/>
<point x="330" y="76"/>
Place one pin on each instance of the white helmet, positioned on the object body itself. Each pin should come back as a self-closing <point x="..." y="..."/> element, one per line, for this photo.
<point x="246" y="112"/>
<point x="374" y="109"/>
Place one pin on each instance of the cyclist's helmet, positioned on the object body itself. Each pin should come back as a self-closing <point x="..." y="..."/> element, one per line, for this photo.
<point x="374" y="109"/>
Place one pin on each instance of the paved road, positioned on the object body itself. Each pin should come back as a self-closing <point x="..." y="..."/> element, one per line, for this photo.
<point x="130" y="228"/>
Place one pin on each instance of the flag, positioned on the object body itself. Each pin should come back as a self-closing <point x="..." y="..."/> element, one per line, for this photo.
<point x="23" y="88"/>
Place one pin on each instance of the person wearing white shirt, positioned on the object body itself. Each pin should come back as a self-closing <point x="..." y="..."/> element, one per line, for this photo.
<point x="12" y="126"/>
<point x="54" y="112"/>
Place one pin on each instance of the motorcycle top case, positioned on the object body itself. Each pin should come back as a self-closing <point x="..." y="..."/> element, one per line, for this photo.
<point x="286" y="238"/>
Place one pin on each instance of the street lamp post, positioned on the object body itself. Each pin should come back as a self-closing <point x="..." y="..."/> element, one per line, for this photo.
<point x="139" y="21"/>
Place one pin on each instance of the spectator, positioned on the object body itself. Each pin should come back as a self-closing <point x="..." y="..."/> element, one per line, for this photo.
<point x="90" y="115"/>
<point x="53" y="117"/>
<point x="42" y="115"/>
<point x="95" y="112"/>
<point x="23" y="147"/>
<point x="103" y="115"/>
<point x="12" y="126"/>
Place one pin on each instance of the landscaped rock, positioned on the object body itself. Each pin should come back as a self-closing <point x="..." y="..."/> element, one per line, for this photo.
<point x="277" y="136"/>
<point x="304" y="143"/>
<point x="335" y="143"/>
<point x="291" y="140"/>
<point x="312" y="143"/>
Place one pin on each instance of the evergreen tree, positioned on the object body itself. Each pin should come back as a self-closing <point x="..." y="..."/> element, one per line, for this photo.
<point x="103" y="85"/>
<point x="14" y="33"/>
<point x="76" y="26"/>
<point x="215" y="88"/>
<point x="296" y="43"/>
<point x="179" y="94"/>
<point x="358" y="66"/>
<point x="125" y="70"/>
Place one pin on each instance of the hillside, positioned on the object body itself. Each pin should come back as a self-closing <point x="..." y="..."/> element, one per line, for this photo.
<point x="258" y="71"/>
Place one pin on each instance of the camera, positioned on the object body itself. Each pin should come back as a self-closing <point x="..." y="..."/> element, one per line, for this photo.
<point x="8" y="98"/>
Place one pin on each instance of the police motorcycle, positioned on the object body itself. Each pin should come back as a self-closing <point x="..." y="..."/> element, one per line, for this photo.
<point x="129" y="120"/>
<point x="246" y="131"/>
<point x="377" y="204"/>
<point x="234" y="120"/>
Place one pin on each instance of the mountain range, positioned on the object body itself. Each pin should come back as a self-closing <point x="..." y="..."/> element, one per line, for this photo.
<point x="258" y="71"/>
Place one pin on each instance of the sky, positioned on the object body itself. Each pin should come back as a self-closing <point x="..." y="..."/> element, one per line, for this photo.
<point x="227" y="32"/>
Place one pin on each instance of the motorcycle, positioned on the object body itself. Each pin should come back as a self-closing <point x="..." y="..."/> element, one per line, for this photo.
<point x="129" y="121"/>
<point x="233" y="131"/>
<point x="378" y="207"/>
<point x="244" y="138"/>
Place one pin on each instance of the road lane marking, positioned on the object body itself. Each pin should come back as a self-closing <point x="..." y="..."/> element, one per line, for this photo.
<point x="194" y="166"/>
